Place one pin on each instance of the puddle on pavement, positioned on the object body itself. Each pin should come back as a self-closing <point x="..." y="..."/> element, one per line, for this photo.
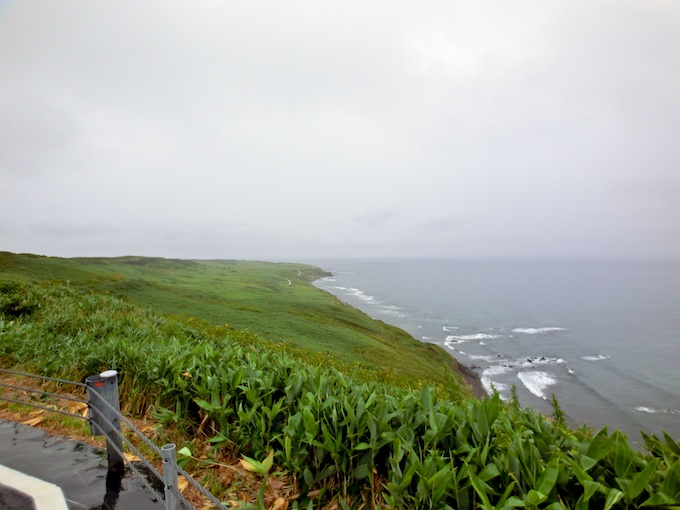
<point x="78" y="468"/>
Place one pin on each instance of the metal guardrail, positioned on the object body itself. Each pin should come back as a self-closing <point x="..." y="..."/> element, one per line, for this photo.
<point x="105" y="419"/>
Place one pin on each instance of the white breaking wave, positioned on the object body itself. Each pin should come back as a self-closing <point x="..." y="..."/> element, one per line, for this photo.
<point x="533" y="361"/>
<point x="393" y="313"/>
<point x="466" y="338"/>
<point x="657" y="411"/>
<point x="536" y="331"/>
<point x="488" y="359"/>
<point x="450" y="328"/>
<point x="536" y="382"/>
<point x="599" y="357"/>
<point x="393" y="307"/>
<point x="361" y="295"/>
<point x="490" y="385"/>
<point x="351" y="291"/>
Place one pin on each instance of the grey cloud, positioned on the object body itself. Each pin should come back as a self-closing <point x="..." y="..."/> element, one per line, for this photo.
<point x="247" y="130"/>
<point x="377" y="218"/>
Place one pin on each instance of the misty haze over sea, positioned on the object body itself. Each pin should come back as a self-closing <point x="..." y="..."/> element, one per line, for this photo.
<point x="602" y="336"/>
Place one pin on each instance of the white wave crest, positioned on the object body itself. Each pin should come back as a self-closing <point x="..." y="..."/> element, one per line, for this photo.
<point x="657" y="411"/>
<point x="488" y="384"/>
<point x="536" y="382"/>
<point x="450" y="328"/>
<point x="536" y="331"/>
<point x="488" y="359"/>
<point x="467" y="338"/>
<point x="599" y="357"/>
<point x="537" y="360"/>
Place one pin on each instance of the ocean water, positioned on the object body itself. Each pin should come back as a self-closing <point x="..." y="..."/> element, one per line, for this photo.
<point x="604" y="337"/>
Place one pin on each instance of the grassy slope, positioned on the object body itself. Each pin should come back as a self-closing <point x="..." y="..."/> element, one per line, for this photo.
<point x="336" y="441"/>
<point x="250" y="295"/>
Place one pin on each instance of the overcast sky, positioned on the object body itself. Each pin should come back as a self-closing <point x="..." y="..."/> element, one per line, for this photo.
<point x="306" y="129"/>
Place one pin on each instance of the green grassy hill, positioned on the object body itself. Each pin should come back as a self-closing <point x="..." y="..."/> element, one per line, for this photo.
<point x="327" y="408"/>
<point x="273" y="300"/>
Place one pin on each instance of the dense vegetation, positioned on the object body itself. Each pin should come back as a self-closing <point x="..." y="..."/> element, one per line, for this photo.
<point x="275" y="301"/>
<point x="344" y="440"/>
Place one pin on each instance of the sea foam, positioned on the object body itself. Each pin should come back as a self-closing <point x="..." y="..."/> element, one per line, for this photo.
<point x="536" y="331"/>
<point x="488" y="384"/>
<point x="536" y="382"/>
<point x="488" y="359"/>
<point x="599" y="357"/>
<point x="657" y="411"/>
<point x="467" y="338"/>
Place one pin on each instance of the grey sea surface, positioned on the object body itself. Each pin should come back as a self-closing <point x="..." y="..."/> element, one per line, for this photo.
<point x="604" y="337"/>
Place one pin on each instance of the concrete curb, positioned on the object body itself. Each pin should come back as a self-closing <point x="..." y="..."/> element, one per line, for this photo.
<point x="43" y="495"/>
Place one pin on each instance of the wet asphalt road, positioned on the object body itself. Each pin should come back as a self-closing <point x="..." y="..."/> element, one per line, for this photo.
<point x="78" y="468"/>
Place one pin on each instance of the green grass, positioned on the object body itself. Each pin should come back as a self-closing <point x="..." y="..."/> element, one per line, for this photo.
<point x="255" y="296"/>
<point x="338" y="438"/>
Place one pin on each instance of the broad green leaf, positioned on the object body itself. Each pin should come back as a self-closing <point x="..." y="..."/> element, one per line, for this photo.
<point x="547" y="480"/>
<point x="589" y="488"/>
<point x="480" y="488"/>
<point x="533" y="497"/>
<point x="268" y="462"/>
<point x="514" y="502"/>
<point x="408" y="475"/>
<point x="252" y="465"/>
<point x="184" y="452"/>
<point x="612" y="498"/>
<point x="203" y="404"/>
<point x="660" y="499"/>
<point x="308" y="477"/>
<point x="361" y="471"/>
<point x="489" y="472"/>
<point x="502" y="501"/>
<point x="601" y="445"/>
<point x="671" y="484"/>
<point x="579" y="473"/>
<point x="330" y="470"/>
<point x="623" y="458"/>
<point x="672" y="444"/>
<point x="641" y="479"/>
<point x="493" y="407"/>
<point x="437" y="480"/>
<point x="586" y="462"/>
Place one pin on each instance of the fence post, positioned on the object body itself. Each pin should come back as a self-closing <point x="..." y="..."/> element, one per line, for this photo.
<point x="169" y="452"/>
<point x="104" y="418"/>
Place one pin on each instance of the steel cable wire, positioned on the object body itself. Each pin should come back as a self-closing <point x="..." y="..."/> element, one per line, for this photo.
<point x="142" y="458"/>
<point x="201" y="489"/>
<point x="114" y="430"/>
<point x="23" y="402"/>
<point x="130" y="425"/>
<point x="42" y="392"/>
<point x="46" y="378"/>
<point x="186" y="475"/>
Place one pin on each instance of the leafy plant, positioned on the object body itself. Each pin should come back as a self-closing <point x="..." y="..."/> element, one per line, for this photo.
<point x="343" y="439"/>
